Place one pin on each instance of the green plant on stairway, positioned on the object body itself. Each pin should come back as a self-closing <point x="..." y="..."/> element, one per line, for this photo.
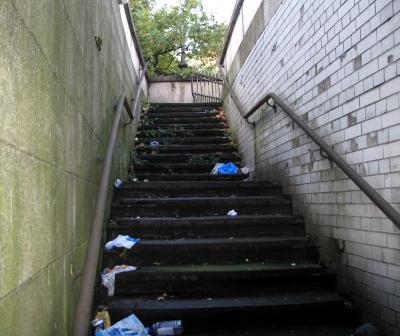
<point x="150" y="133"/>
<point x="145" y="103"/>
<point x="124" y="256"/>
<point x="202" y="159"/>
<point x="159" y="133"/>
<point x="135" y="160"/>
<point x="147" y="121"/>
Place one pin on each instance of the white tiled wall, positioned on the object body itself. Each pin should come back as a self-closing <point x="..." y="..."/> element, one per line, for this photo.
<point x="337" y="63"/>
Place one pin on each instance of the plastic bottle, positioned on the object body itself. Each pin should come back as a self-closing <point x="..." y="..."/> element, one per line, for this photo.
<point x="98" y="326"/>
<point x="102" y="314"/>
<point x="166" y="328"/>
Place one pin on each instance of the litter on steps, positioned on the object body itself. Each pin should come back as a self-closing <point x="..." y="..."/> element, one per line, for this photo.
<point x="122" y="241"/>
<point x="117" y="183"/>
<point x="232" y="213"/>
<point x="228" y="169"/>
<point x="108" y="276"/>
<point x="129" y="326"/>
<point x="166" y="328"/>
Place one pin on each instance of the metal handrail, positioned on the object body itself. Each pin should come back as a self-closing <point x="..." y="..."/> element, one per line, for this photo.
<point x="377" y="199"/>
<point x="211" y="85"/>
<point x="84" y="307"/>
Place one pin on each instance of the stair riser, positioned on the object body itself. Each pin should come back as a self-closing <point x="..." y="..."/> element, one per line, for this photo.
<point x="220" y="125"/>
<point x="195" y="320"/>
<point x="197" y="192"/>
<point x="182" y="133"/>
<point x="227" y="150"/>
<point x="181" y="168"/>
<point x="190" y="177"/>
<point x="198" y="209"/>
<point x="204" y="285"/>
<point x="179" y="121"/>
<point x="160" y="159"/>
<point x="181" y="114"/>
<point x="185" y="141"/>
<point x="220" y="231"/>
<point x="187" y="108"/>
<point x="142" y="255"/>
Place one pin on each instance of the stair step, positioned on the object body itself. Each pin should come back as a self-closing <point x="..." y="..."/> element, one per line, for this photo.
<point x="195" y="149"/>
<point x="206" y="227"/>
<point x="165" y="133"/>
<point x="185" y="107"/>
<point x="175" y="168"/>
<point x="200" y="206"/>
<point x="183" y="126"/>
<point x="213" y="251"/>
<point x="182" y="114"/>
<point x="196" y="188"/>
<point x="188" y="120"/>
<point x="199" y="140"/>
<point x="243" y="279"/>
<point x="187" y="158"/>
<point x="189" y="177"/>
<point x="271" y="306"/>
<point x="263" y="328"/>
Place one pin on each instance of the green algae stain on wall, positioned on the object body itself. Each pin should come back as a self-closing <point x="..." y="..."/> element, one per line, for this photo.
<point x="57" y="95"/>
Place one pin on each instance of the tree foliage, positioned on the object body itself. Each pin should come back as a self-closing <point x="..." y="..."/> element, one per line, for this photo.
<point x="165" y="31"/>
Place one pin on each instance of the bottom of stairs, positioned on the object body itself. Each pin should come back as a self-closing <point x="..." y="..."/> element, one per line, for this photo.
<point x="299" y="329"/>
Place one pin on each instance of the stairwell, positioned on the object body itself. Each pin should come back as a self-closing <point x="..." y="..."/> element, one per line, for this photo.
<point x="253" y="274"/>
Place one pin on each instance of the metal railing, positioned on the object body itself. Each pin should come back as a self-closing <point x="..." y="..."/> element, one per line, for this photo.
<point x="273" y="101"/>
<point x="206" y="88"/>
<point x="86" y="295"/>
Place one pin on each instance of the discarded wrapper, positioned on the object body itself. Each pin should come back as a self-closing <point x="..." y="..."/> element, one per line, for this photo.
<point x="122" y="241"/>
<point x="117" y="183"/>
<point x="228" y="169"/>
<point x="108" y="276"/>
<point x="129" y="326"/>
<point x="232" y="213"/>
<point x="244" y="170"/>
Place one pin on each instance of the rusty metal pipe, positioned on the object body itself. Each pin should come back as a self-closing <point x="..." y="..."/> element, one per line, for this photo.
<point x="84" y="307"/>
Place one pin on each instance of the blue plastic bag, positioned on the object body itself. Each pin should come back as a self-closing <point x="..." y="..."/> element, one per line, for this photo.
<point x="129" y="326"/>
<point x="228" y="168"/>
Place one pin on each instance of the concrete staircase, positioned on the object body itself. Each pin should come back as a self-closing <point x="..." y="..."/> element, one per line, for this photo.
<point x="253" y="274"/>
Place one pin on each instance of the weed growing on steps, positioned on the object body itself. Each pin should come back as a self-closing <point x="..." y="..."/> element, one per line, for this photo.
<point x="124" y="255"/>
<point x="202" y="159"/>
<point x="145" y="103"/>
<point x="165" y="133"/>
<point x="147" y="121"/>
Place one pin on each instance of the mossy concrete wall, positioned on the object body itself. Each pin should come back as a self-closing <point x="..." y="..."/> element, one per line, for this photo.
<point x="57" y="96"/>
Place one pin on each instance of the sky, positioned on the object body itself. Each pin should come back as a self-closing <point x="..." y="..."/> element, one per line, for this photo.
<point x="221" y="9"/>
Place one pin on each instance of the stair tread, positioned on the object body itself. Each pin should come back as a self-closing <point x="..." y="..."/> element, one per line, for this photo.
<point x="191" y="177"/>
<point x="221" y="156"/>
<point x="315" y="328"/>
<point x="217" y="200"/>
<point x="240" y="267"/>
<point x="200" y="219"/>
<point x="216" y="241"/>
<point x="189" y="126"/>
<point x="279" y="299"/>
<point x="197" y="184"/>
<point x="187" y="140"/>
